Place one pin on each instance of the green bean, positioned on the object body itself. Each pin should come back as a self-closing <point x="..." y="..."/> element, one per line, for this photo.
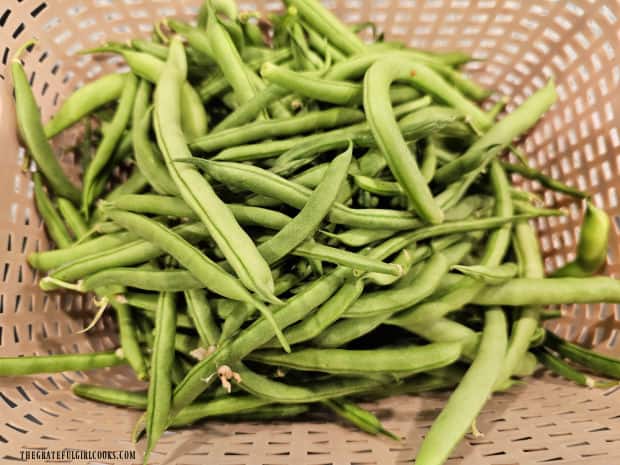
<point x="403" y="359"/>
<point x="443" y="330"/>
<point x="111" y="396"/>
<point x="417" y="125"/>
<point x="149" y="164"/>
<point x="378" y="186"/>
<point x="388" y="136"/>
<point x="317" y="88"/>
<point x="183" y="320"/>
<point x="53" y="223"/>
<point x="322" y="45"/>
<point x="246" y="112"/>
<point x="347" y="330"/>
<point x="500" y="135"/>
<point x="266" y="183"/>
<point x="537" y="291"/>
<point x="141" y="300"/>
<point x="236" y="245"/>
<point x="225" y="406"/>
<point x="390" y="301"/>
<point x="228" y="60"/>
<point x="134" y="184"/>
<point x="560" y="367"/>
<point x="470" y="396"/>
<point x="360" y="263"/>
<point x="73" y="218"/>
<point x="592" y="245"/>
<point x="218" y="83"/>
<point x="327" y="314"/>
<point x="129" y="253"/>
<point x="359" y="237"/>
<point x="32" y="134"/>
<point x="598" y="363"/>
<point x="309" y="218"/>
<point x="359" y="417"/>
<point x="50" y="259"/>
<point x="489" y="274"/>
<point x="339" y="137"/>
<point x="201" y="314"/>
<point x="160" y="387"/>
<point x="276" y="128"/>
<point x="238" y="316"/>
<point x="531" y="264"/>
<point x="326" y="24"/>
<point x="84" y="101"/>
<point x="256" y="335"/>
<point x="29" y="365"/>
<point x="543" y="179"/>
<point x="129" y="340"/>
<point x="176" y="207"/>
<point x="527" y="208"/>
<point x="265" y="388"/>
<point x="109" y="141"/>
<point x="147" y="280"/>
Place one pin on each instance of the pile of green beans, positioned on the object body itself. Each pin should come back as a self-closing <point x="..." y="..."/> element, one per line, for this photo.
<point x="292" y="231"/>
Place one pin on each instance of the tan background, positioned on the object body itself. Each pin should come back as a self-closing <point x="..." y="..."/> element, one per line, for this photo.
<point x="523" y="43"/>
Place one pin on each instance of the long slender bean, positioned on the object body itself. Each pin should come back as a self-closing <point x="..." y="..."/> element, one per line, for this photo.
<point x="196" y="191"/>
<point x="471" y="394"/>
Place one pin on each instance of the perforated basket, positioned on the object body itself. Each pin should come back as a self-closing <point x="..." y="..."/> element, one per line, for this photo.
<point x="522" y="43"/>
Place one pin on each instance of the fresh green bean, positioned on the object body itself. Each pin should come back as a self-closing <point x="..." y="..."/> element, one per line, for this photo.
<point x="201" y="314"/>
<point x="598" y="363"/>
<point x="592" y="245"/>
<point x="147" y="161"/>
<point x="160" y="386"/>
<point x="84" y="101"/>
<point x="109" y="141"/>
<point x="256" y="335"/>
<point x="537" y="291"/>
<point x="326" y="24"/>
<point x="196" y="191"/>
<point x="176" y="207"/>
<point x="393" y="300"/>
<point x="360" y="263"/>
<point x="467" y="400"/>
<point x="129" y="339"/>
<point x="32" y="134"/>
<point x="276" y="128"/>
<point x="560" y="367"/>
<point x="402" y="359"/>
<point x="73" y="218"/>
<point x="546" y="181"/>
<point x="29" y="365"/>
<point x="212" y="276"/>
<point x="500" y="135"/>
<point x="265" y="388"/>
<point x="53" y="223"/>
<point x="309" y="218"/>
